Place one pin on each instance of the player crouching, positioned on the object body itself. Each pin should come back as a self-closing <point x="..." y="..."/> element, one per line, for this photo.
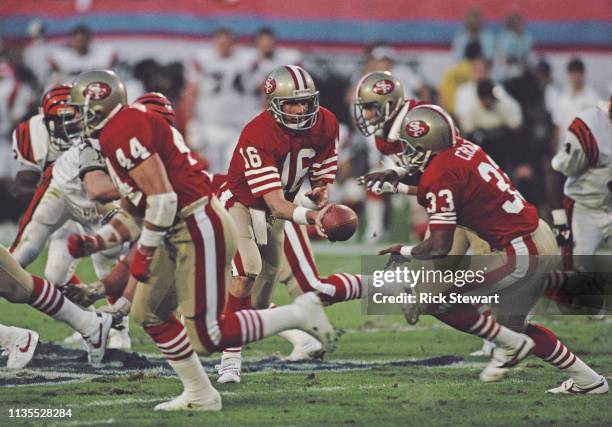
<point x="461" y="185"/>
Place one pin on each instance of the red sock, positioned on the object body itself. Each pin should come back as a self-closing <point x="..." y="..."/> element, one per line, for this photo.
<point x="234" y="304"/>
<point x="46" y="297"/>
<point x="240" y="328"/>
<point x="171" y="338"/>
<point x="549" y="348"/>
<point x="346" y="287"/>
<point x="466" y="318"/>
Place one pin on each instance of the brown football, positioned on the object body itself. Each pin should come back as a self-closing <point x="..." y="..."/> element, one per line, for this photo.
<point x="340" y="223"/>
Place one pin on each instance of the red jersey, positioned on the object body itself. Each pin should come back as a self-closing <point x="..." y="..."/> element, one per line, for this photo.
<point x="463" y="185"/>
<point x="132" y="136"/>
<point x="269" y="157"/>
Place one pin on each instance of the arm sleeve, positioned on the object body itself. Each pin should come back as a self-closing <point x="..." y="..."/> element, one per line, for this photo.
<point x="572" y="159"/>
<point x="325" y="165"/>
<point x="23" y="149"/>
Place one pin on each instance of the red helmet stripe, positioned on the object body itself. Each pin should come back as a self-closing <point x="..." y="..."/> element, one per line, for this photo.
<point x="303" y="76"/>
<point x="293" y="76"/>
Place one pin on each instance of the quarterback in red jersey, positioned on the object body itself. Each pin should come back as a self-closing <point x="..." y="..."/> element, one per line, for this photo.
<point x="461" y="185"/>
<point x="293" y="139"/>
<point x="186" y="242"/>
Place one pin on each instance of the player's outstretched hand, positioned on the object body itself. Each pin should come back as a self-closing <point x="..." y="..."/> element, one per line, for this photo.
<point x="318" y="224"/>
<point x="319" y="196"/>
<point x="382" y="182"/>
<point x="140" y="266"/>
<point x="82" y="245"/>
<point x="400" y="254"/>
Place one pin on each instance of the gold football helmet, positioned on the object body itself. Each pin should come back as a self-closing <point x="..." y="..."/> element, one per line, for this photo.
<point x="378" y="98"/>
<point x="425" y="131"/>
<point x="292" y="84"/>
<point x="97" y="96"/>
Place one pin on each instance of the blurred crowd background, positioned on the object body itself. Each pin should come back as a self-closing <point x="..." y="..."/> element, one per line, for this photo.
<point x="513" y="75"/>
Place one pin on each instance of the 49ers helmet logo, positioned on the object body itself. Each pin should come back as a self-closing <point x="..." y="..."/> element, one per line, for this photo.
<point x="97" y="91"/>
<point x="270" y="85"/>
<point x="383" y="87"/>
<point x="417" y="128"/>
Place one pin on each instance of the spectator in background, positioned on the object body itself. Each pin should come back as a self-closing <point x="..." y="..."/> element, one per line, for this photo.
<point x="577" y="96"/>
<point x="492" y="121"/>
<point x="473" y="32"/>
<point x="269" y="56"/>
<point x="79" y="55"/>
<point x="459" y="74"/>
<point x="217" y="82"/>
<point x="514" y="49"/>
<point x="467" y="95"/>
<point x="550" y="89"/>
<point x="36" y="53"/>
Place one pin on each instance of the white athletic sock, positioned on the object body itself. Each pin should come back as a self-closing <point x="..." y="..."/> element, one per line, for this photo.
<point x="192" y="375"/>
<point x="49" y="300"/>
<point x="582" y="373"/>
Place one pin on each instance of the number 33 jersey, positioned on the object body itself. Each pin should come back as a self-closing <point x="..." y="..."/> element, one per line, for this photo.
<point x="270" y="157"/>
<point x="132" y="136"/>
<point x="464" y="186"/>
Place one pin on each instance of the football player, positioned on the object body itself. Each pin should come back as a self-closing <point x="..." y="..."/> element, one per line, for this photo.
<point x="293" y="139"/>
<point x="460" y="184"/>
<point x="187" y="240"/>
<point x="37" y="144"/>
<point x="379" y="104"/>
<point x="586" y="160"/>
<point x="586" y="221"/>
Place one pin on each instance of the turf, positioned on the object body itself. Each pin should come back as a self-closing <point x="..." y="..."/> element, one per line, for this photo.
<point x="381" y="395"/>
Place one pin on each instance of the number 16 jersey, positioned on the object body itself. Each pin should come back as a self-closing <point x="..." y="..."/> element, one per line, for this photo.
<point x="464" y="186"/>
<point x="271" y="157"/>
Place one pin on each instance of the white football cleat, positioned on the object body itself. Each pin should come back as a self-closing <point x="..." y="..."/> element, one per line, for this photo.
<point x="21" y="349"/>
<point x="305" y="346"/>
<point x="120" y="338"/>
<point x="210" y="402"/>
<point x="485" y="351"/>
<point x="96" y="341"/>
<point x="316" y="322"/>
<point x="229" y="369"/>
<point x="570" y="387"/>
<point x="506" y="358"/>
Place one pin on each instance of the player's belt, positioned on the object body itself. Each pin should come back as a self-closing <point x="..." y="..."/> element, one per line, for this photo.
<point x="192" y="207"/>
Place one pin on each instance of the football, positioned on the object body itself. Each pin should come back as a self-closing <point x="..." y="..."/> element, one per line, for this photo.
<point x="340" y="223"/>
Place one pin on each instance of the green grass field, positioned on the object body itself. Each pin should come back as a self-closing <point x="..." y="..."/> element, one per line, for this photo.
<point x="381" y="395"/>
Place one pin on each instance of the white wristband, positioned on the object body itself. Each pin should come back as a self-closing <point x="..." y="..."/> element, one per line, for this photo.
<point x="299" y="215"/>
<point x="406" y="251"/>
<point x="559" y="216"/>
<point x="151" y="238"/>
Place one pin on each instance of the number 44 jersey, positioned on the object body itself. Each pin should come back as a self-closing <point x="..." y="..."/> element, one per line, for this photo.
<point x="270" y="157"/>
<point x="464" y="186"/>
<point x="132" y="136"/>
